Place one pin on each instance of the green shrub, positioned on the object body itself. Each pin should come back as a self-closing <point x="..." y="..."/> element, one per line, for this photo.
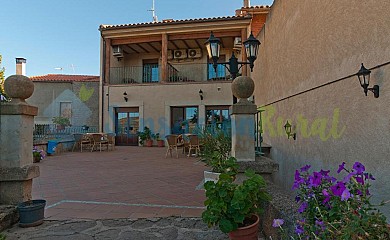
<point x="216" y="151"/>
<point x="2" y="237"/>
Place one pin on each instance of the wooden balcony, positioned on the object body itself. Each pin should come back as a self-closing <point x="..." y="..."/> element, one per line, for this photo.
<point x="193" y="72"/>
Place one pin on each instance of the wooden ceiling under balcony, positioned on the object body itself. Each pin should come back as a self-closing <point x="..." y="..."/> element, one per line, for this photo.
<point x="154" y="44"/>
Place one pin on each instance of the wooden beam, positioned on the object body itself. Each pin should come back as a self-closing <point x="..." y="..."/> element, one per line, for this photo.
<point x="140" y="46"/>
<point x="164" y="57"/>
<point x="121" y="41"/>
<point x="197" y="43"/>
<point x="153" y="47"/>
<point x="205" y="35"/>
<point x="185" y="43"/>
<point x="174" y="44"/>
<point x="107" y="61"/>
<point x="133" y="49"/>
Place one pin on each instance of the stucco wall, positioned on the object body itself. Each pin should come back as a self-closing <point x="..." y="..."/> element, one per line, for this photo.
<point x="83" y="96"/>
<point x="311" y="43"/>
<point x="154" y="101"/>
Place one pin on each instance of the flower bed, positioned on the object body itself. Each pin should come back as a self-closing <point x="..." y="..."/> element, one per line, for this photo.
<point x="332" y="208"/>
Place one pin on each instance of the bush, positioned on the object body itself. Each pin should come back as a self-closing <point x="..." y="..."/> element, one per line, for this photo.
<point x="216" y="151"/>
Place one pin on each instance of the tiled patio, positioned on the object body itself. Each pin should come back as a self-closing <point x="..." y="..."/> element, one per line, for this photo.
<point x="130" y="182"/>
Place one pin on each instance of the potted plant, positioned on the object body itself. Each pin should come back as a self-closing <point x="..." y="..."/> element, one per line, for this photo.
<point x="146" y="137"/>
<point x="38" y="155"/>
<point x="61" y="122"/>
<point x="235" y="207"/>
<point x="31" y="213"/>
<point x="160" y="142"/>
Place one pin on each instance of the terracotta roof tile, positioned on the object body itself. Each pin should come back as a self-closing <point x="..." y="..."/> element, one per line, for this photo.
<point x="171" y="21"/>
<point x="256" y="7"/>
<point x="65" y="78"/>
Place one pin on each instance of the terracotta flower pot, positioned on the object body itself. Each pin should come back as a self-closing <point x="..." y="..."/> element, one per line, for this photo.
<point x="149" y="143"/>
<point x="248" y="232"/>
<point x="160" y="143"/>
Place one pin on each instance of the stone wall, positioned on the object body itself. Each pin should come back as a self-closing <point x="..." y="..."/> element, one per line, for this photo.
<point x="312" y="43"/>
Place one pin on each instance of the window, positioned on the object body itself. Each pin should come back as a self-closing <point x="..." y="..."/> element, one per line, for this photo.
<point x="66" y="109"/>
<point x="221" y="70"/>
<point x="183" y="119"/>
<point x="217" y="114"/>
<point x="150" y="71"/>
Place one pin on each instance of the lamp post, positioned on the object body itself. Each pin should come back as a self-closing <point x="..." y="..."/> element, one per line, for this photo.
<point x="242" y="112"/>
<point x="213" y="46"/>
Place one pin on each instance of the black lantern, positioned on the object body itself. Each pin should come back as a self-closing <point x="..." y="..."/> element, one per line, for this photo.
<point x="213" y="46"/>
<point x="125" y="97"/>
<point x="201" y="94"/>
<point x="364" y="79"/>
<point x="252" y="48"/>
<point x="288" y="129"/>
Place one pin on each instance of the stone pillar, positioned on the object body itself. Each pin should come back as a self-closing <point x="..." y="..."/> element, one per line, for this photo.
<point x="16" y="141"/>
<point x="243" y="120"/>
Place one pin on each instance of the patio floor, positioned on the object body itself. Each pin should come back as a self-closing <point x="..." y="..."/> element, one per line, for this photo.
<point x="130" y="182"/>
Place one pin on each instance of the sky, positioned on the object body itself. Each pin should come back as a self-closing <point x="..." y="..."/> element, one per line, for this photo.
<point x="53" y="34"/>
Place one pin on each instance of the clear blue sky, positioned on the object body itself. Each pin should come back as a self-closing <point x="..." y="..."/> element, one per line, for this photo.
<point x="53" y="33"/>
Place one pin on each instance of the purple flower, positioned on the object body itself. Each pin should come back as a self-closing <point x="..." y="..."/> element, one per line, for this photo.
<point x="359" y="167"/>
<point x="348" y="177"/>
<point x="297" y="198"/>
<point x="299" y="230"/>
<point x="368" y="176"/>
<point x="345" y="195"/>
<point x="277" y="222"/>
<point x="303" y="207"/>
<point x="316" y="179"/>
<point x="305" y="168"/>
<point x="360" y="179"/>
<point x="320" y="224"/>
<point x="324" y="173"/>
<point x="338" y="189"/>
<point x="359" y="192"/>
<point x="326" y="195"/>
<point x="297" y="175"/>
<point x="341" y="167"/>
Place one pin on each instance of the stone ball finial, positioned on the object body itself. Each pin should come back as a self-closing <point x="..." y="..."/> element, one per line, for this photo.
<point x="243" y="87"/>
<point x="18" y="86"/>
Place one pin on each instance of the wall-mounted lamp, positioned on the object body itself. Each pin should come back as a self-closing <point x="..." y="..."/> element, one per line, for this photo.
<point x="288" y="129"/>
<point x="364" y="79"/>
<point x="201" y="94"/>
<point x="125" y="96"/>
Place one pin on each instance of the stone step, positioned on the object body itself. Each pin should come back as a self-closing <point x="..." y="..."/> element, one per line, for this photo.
<point x="265" y="150"/>
<point x="262" y="165"/>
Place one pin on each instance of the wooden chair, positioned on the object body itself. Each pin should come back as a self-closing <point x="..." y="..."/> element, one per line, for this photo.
<point x="193" y="144"/>
<point x="173" y="142"/>
<point x="111" y="141"/>
<point x="86" y="142"/>
<point x="99" y="140"/>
